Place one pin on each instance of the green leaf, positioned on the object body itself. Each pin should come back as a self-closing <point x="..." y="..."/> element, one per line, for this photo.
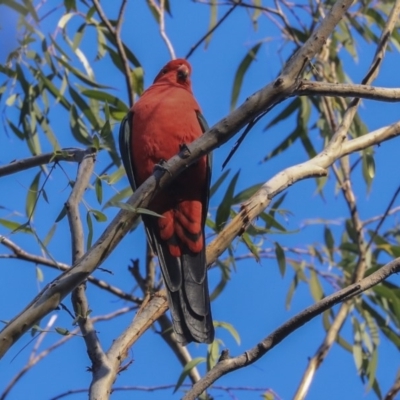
<point x="99" y="190"/>
<point x="62" y="331"/>
<point x="100" y="217"/>
<point x="78" y="37"/>
<point x="131" y="57"/>
<point x="213" y="354"/>
<point x="32" y="195"/>
<point x="218" y="183"/>
<point x="276" y="205"/>
<point x="19" y="8"/>
<point x="39" y="274"/>
<point x="246" y="194"/>
<point x="357" y="349"/>
<point x="250" y="245"/>
<point x="351" y="231"/>
<point x="371" y="368"/>
<point x="287" y="111"/>
<point x="138" y="210"/>
<point x="14" y="226"/>
<point x="242" y="69"/>
<point x="339" y="339"/>
<point x="80" y="75"/>
<point x="123" y="194"/>
<point x="62" y="214"/>
<point x="90" y="231"/>
<point x="329" y="241"/>
<point x="106" y="98"/>
<point x="78" y="128"/>
<point x="188" y="367"/>
<point x="213" y="20"/>
<point x="315" y="286"/>
<point x="291" y="291"/>
<point x="230" y="329"/>
<point x="368" y="168"/>
<point x="70" y="5"/>
<point x="138" y="80"/>
<point x="280" y="256"/>
<point x="49" y="235"/>
<point x="271" y="222"/>
<point x="84" y="107"/>
<point x="225" y="277"/>
<point x="11" y="99"/>
<point x="224" y="208"/>
<point x="286" y="143"/>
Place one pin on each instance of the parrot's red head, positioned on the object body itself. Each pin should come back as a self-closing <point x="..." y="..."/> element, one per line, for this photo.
<point x="177" y="72"/>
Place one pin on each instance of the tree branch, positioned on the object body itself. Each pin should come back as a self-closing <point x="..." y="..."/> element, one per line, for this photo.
<point x="231" y="364"/>
<point x="20" y="254"/>
<point x="311" y="88"/>
<point x="78" y="297"/>
<point x="67" y="154"/>
<point x="394" y="390"/>
<point x="171" y="386"/>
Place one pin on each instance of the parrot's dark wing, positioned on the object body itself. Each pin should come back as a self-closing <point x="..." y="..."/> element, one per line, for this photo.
<point x="125" y="147"/>
<point x="205" y="128"/>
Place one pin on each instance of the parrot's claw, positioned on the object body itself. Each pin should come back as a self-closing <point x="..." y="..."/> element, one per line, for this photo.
<point x="161" y="167"/>
<point x="185" y="149"/>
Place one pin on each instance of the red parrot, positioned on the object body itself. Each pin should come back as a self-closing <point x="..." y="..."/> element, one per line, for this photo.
<point x="166" y="117"/>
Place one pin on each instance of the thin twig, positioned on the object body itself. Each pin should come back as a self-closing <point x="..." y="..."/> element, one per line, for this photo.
<point x="203" y="38"/>
<point x="385" y="214"/>
<point x="171" y="386"/>
<point x="116" y="33"/>
<point x="160" y="9"/>
<point x="36" y="358"/>
<point x="20" y="254"/>
<point x="68" y="154"/>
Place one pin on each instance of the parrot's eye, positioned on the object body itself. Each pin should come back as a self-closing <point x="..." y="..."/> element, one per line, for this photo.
<point x="164" y="71"/>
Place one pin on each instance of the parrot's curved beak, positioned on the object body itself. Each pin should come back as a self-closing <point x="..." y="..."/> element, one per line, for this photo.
<point x="183" y="72"/>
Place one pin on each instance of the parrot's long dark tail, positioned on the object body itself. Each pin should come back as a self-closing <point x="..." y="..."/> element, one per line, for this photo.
<point x="186" y="283"/>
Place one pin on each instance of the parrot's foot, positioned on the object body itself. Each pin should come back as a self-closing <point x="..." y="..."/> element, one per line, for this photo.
<point x="161" y="167"/>
<point x="185" y="149"/>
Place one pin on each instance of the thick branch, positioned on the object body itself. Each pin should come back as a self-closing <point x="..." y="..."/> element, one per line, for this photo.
<point x="311" y="88"/>
<point x="231" y="364"/>
<point x="78" y="297"/>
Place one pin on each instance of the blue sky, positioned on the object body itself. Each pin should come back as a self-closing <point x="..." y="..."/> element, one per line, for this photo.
<point x="254" y="300"/>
